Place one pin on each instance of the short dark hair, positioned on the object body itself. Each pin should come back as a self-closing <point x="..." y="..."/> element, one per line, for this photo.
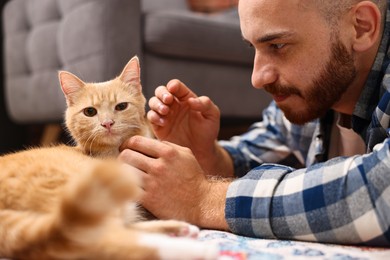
<point x="332" y="10"/>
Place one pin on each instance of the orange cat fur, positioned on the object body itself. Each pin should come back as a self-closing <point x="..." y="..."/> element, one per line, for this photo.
<point x="100" y="116"/>
<point x="61" y="203"/>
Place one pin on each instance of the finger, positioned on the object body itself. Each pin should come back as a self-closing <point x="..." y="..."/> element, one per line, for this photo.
<point x="151" y="184"/>
<point x="137" y="173"/>
<point x="180" y="90"/>
<point x="156" y="105"/>
<point x="204" y="105"/>
<point x="155" y="119"/>
<point x="137" y="160"/>
<point x="163" y="94"/>
<point x="143" y="145"/>
<point x="175" y="146"/>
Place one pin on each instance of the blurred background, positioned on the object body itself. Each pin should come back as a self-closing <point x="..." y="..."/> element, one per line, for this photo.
<point x="196" y="41"/>
<point x="12" y="136"/>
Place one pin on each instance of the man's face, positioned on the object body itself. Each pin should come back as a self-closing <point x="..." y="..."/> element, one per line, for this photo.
<point x="299" y="60"/>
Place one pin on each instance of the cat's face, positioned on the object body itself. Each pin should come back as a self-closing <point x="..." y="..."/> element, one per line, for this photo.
<point x="101" y="116"/>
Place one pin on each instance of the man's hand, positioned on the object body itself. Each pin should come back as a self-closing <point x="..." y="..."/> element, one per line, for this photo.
<point x="179" y="116"/>
<point x="174" y="183"/>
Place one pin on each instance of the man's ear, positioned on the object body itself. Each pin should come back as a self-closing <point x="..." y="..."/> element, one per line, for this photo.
<point x="367" y="21"/>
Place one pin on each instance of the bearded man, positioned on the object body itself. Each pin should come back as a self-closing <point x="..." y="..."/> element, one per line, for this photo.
<point x="317" y="167"/>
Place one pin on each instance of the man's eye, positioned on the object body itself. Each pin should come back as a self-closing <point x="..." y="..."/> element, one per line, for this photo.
<point x="121" y="106"/>
<point x="278" y="46"/>
<point x="90" y="111"/>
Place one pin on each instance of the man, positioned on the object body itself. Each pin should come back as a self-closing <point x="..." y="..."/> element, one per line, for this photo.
<point x="324" y="62"/>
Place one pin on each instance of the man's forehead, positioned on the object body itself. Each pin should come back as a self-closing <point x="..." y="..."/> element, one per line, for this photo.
<point x="262" y="20"/>
<point x="273" y="9"/>
<point x="278" y="4"/>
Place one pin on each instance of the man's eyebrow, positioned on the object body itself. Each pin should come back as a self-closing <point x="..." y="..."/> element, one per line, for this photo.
<point x="270" y="37"/>
<point x="274" y="36"/>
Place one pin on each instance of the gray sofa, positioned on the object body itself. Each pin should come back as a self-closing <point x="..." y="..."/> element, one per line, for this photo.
<point x="95" y="38"/>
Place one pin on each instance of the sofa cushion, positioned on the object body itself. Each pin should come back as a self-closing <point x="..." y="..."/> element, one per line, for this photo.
<point x="209" y="37"/>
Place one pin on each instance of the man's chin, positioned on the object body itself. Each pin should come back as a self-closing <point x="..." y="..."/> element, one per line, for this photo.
<point x="299" y="112"/>
<point x="300" y="118"/>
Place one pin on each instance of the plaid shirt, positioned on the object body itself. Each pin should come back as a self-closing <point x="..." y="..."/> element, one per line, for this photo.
<point x="345" y="200"/>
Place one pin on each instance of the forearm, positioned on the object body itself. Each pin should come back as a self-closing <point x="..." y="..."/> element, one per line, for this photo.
<point x="212" y="207"/>
<point x="325" y="203"/>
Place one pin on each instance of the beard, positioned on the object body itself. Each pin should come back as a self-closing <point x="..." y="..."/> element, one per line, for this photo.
<point x="325" y="90"/>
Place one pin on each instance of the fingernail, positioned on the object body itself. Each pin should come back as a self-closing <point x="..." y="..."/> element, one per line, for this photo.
<point x="165" y="97"/>
<point x="161" y="121"/>
<point x="161" y="108"/>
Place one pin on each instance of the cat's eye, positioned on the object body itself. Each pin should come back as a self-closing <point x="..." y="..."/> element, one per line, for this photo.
<point x="90" y="111"/>
<point x="121" y="106"/>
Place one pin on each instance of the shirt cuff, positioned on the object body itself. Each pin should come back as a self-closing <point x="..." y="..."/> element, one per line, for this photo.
<point x="249" y="201"/>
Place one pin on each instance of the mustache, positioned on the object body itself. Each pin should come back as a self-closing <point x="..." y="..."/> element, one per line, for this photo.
<point x="282" y="90"/>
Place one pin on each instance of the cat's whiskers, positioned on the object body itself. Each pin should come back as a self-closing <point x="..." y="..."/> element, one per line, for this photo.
<point x="89" y="140"/>
<point x="91" y="143"/>
<point x="71" y="142"/>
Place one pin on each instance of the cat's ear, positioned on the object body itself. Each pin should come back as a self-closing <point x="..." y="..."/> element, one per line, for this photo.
<point x="70" y="84"/>
<point x="131" y="74"/>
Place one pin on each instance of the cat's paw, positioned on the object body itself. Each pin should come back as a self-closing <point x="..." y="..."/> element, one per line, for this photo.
<point x="173" y="228"/>
<point x="186" y="230"/>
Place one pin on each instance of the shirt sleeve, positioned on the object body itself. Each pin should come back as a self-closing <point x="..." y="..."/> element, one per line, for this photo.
<point x="344" y="201"/>
<point x="272" y="140"/>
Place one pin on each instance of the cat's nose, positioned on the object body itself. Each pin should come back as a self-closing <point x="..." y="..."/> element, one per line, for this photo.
<point x="108" y="123"/>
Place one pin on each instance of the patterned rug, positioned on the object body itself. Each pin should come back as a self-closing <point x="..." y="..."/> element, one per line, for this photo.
<point x="235" y="247"/>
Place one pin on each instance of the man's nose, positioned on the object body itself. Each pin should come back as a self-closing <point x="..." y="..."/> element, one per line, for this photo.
<point x="264" y="73"/>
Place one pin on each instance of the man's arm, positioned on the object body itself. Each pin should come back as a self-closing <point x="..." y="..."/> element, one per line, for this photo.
<point x="212" y="207"/>
<point x="344" y="201"/>
<point x="272" y="140"/>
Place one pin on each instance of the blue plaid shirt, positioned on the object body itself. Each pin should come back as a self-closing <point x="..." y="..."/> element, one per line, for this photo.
<point x="345" y="200"/>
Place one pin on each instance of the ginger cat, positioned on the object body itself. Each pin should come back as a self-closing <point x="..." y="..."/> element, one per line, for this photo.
<point x="65" y="202"/>
<point x="100" y="116"/>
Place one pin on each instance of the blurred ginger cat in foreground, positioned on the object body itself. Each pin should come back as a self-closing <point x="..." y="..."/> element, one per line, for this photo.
<point x="66" y="202"/>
